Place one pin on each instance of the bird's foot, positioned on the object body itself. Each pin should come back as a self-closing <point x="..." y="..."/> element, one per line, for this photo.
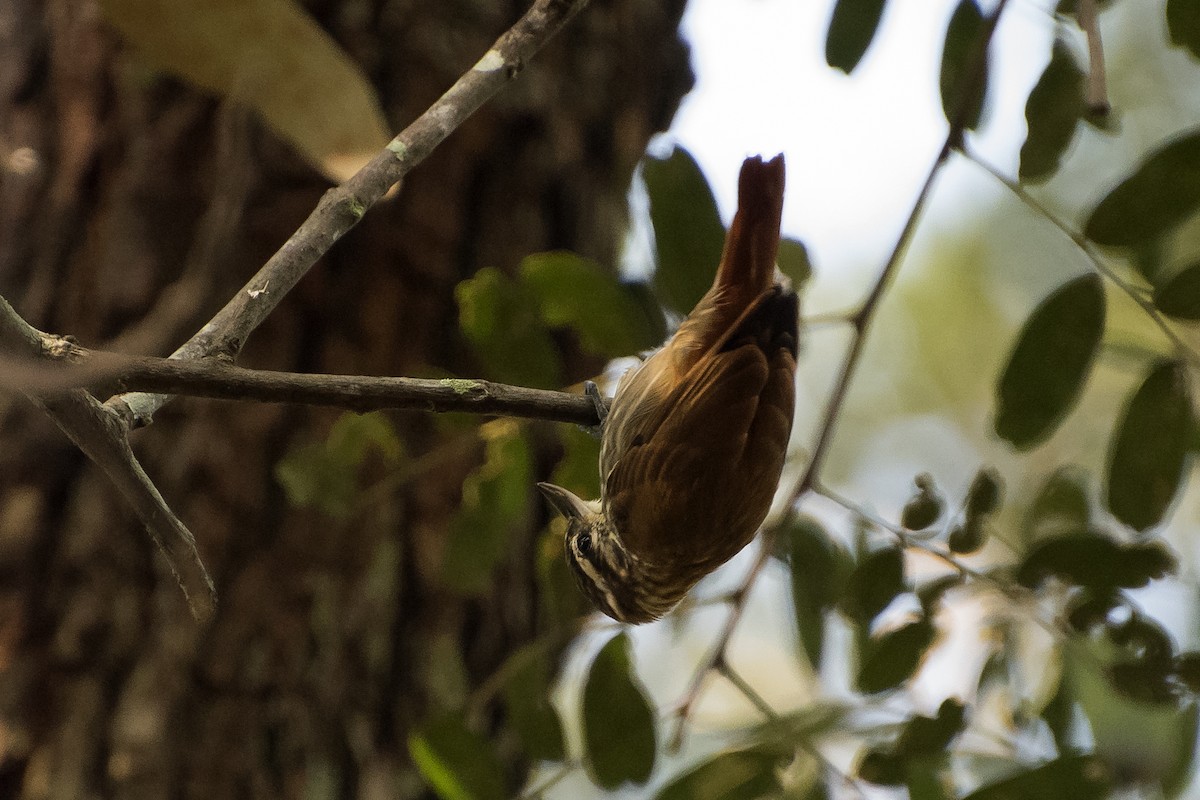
<point x="593" y="392"/>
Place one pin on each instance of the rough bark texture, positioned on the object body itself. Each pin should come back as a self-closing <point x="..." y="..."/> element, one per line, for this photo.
<point x="131" y="207"/>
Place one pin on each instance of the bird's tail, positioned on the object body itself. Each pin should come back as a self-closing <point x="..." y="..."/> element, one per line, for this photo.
<point x="748" y="262"/>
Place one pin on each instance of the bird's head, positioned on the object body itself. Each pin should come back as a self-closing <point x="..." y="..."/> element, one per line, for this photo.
<point x="608" y="574"/>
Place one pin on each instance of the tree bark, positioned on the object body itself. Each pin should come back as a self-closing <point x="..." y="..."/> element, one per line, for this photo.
<point x="131" y="207"/>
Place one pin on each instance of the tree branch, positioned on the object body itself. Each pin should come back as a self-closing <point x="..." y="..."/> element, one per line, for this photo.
<point x="105" y="372"/>
<point x="102" y="431"/>
<point x="102" y="436"/>
<point x="342" y="207"/>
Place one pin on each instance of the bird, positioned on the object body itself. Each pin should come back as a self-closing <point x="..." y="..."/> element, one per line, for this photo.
<point x="694" y="441"/>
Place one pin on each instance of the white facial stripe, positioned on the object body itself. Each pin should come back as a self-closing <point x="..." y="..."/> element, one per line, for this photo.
<point x="594" y="576"/>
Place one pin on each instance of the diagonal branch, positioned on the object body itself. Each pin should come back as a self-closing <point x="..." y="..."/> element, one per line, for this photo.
<point x="102" y="431"/>
<point x="342" y="207"/>
<point x="102" y="436"/>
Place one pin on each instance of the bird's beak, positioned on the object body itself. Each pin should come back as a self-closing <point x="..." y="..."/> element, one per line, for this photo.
<point x="563" y="501"/>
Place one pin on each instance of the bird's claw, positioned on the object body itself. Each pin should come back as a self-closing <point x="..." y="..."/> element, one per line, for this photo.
<point x="601" y="405"/>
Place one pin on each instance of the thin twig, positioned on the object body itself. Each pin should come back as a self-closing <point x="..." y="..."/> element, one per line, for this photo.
<point x="341" y="208"/>
<point x="1096" y="93"/>
<point x="860" y="321"/>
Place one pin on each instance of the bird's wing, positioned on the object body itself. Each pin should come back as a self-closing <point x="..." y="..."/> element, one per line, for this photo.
<point x="691" y="473"/>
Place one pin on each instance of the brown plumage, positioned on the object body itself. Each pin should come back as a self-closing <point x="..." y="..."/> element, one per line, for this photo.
<point x="694" y="444"/>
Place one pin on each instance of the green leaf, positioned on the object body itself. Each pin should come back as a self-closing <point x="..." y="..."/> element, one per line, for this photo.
<point x="575" y="292"/>
<point x="874" y="584"/>
<point x="576" y="471"/>
<point x="820" y="570"/>
<point x="1095" y="561"/>
<point x="736" y="775"/>
<point x="458" y="763"/>
<point x="272" y="57"/>
<point x="618" y="721"/>
<point x="1146" y="459"/>
<point x="927" y="736"/>
<point x="851" y="30"/>
<point x="688" y="234"/>
<point x="1163" y="191"/>
<point x="527" y="698"/>
<point x="1050" y="362"/>
<point x="925" y="506"/>
<point x="501" y="320"/>
<point x="984" y="495"/>
<point x="894" y="657"/>
<point x="1055" y="106"/>
<point x="959" y="90"/>
<point x="794" y="262"/>
<point x="495" y="504"/>
<point x="1061" y="507"/>
<point x="1183" y="23"/>
<point x="325" y="475"/>
<point x="1076" y="777"/>
<point x="1179" y="296"/>
<point x="967" y="537"/>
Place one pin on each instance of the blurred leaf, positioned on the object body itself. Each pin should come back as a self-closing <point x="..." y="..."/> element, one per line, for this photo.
<point x="1061" y="506"/>
<point x="894" y="657"/>
<point x="1147" y="681"/>
<point x="1076" y="777"/>
<point x="458" y="763"/>
<point x="1146" y="459"/>
<point x="924" y="781"/>
<point x="272" y="57"/>
<point x="925" y="736"/>
<point x="1088" y="610"/>
<point x="820" y="570"/>
<point x="984" y="495"/>
<point x="925" y="506"/>
<point x="1162" y="192"/>
<point x="1094" y="561"/>
<point x="1059" y="717"/>
<point x="1187" y="668"/>
<point x="736" y="775"/>
<point x="575" y="292"/>
<point x="1179" y="296"/>
<point x="1178" y="775"/>
<point x="527" y="698"/>
<point x="1183" y="23"/>
<point x="495" y="502"/>
<point x="963" y="36"/>
<point x="500" y="317"/>
<point x="618" y="720"/>
<point x="794" y="262"/>
<point x="1055" y="106"/>
<point x="1143" y="638"/>
<point x="688" y="234"/>
<point x="882" y="767"/>
<point x="851" y="30"/>
<point x="967" y="537"/>
<point x="561" y="603"/>
<point x="325" y="475"/>
<point x="1050" y="362"/>
<point x="874" y="584"/>
<point x="577" y="469"/>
